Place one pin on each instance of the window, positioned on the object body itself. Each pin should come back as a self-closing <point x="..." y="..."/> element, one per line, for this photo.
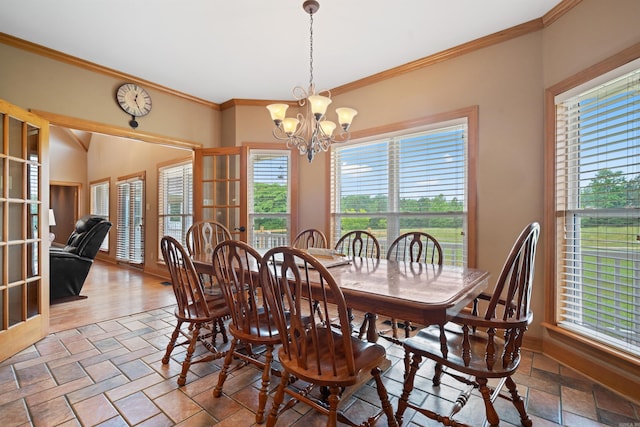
<point x="269" y="198"/>
<point x="597" y="209"/>
<point x="412" y="180"/>
<point x="175" y="201"/>
<point x="100" y="205"/>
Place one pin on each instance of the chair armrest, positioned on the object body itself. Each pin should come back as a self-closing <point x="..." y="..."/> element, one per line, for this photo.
<point x="62" y="255"/>
<point x="466" y="318"/>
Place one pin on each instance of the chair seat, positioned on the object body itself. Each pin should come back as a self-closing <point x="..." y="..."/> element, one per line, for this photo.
<point x="265" y="332"/>
<point x="366" y="356"/>
<point x="217" y="309"/>
<point x="427" y="343"/>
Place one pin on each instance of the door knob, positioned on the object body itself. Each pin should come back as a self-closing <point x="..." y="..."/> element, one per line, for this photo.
<point x="241" y="229"/>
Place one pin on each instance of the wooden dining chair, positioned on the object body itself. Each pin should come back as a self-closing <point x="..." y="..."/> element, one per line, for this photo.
<point x="358" y="243"/>
<point x="235" y="265"/>
<point x="310" y="238"/>
<point x="477" y="348"/>
<point x="201" y="238"/>
<point x="193" y="308"/>
<point x="361" y="244"/>
<point x="414" y="246"/>
<point x="322" y="354"/>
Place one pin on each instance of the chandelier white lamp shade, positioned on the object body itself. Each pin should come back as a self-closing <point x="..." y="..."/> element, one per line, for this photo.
<point x="311" y="133"/>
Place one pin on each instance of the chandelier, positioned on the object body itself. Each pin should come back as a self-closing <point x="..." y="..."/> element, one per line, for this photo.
<point x="313" y="133"/>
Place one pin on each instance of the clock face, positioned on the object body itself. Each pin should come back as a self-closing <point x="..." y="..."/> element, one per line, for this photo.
<point x="134" y="100"/>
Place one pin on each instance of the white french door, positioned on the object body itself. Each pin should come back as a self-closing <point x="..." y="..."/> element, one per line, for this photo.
<point x="130" y="227"/>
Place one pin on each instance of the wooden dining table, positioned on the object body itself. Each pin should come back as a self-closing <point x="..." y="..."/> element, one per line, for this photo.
<point x="422" y="293"/>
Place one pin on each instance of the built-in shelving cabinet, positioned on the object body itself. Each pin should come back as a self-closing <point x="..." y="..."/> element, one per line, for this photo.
<point x="24" y="237"/>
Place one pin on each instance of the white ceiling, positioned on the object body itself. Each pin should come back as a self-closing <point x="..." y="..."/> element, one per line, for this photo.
<point x="257" y="49"/>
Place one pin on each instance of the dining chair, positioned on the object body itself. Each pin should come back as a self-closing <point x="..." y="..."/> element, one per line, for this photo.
<point x="201" y="238"/>
<point x="481" y="347"/>
<point x="361" y="244"/>
<point x="358" y="243"/>
<point x="235" y="265"/>
<point x="413" y="246"/>
<point x="323" y="354"/>
<point x="310" y="238"/>
<point x="193" y="308"/>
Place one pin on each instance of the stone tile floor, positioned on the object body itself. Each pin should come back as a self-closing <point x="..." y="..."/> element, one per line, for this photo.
<point x="110" y="374"/>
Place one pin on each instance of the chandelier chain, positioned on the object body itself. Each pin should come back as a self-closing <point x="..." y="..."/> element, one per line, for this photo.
<point x="311" y="50"/>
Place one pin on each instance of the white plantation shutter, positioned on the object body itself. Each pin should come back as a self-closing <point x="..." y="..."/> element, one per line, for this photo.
<point x="414" y="181"/>
<point x="598" y="211"/>
<point x="175" y="201"/>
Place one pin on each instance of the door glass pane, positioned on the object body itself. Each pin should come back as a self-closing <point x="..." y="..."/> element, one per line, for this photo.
<point x="207" y="194"/>
<point x="16" y="219"/>
<point x="207" y="167"/>
<point x="33" y="133"/>
<point x="234" y="166"/>
<point x="32" y="298"/>
<point x="32" y="260"/>
<point x="32" y="226"/>
<point x="15" y="305"/>
<point x="15" y="179"/>
<point x="221" y="193"/>
<point x="33" y="183"/>
<point x="15" y="263"/>
<point x="234" y="193"/>
<point x="15" y="137"/>
<point x="2" y="325"/>
<point x="220" y="171"/>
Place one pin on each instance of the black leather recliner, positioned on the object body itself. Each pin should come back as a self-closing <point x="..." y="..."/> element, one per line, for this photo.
<point x="70" y="265"/>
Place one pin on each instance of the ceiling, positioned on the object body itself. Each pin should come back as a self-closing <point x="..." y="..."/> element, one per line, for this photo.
<point x="257" y="49"/>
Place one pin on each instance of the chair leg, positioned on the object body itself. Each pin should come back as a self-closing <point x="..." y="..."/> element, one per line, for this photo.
<point x="172" y="343"/>
<point x="384" y="398"/>
<point x="394" y="327"/>
<point x="437" y="374"/>
<point x="186" y="364"/>
<point x="334" y="399"/>
<point x="217" y="391"/>
<point x="518" y="403"/>
<point x="278" y="398"/>
<point x="407" y="329"/>
<point x="492" y="415"/>
<point x="266" y="378"/>
<point x="403" y="403"/>
<point x="223" y="331"/>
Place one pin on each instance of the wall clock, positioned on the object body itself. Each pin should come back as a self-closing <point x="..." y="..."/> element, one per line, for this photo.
<point x="134" y="100"/>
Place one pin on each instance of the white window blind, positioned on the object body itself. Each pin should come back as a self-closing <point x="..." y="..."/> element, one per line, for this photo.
<point x="598" y="212"/>
<point x="175" y="201"/>
<point x="269" y="198"/>
<point x="130" y="235"/>
<point x="100" y="205"/>
<point x="410" y="182"/>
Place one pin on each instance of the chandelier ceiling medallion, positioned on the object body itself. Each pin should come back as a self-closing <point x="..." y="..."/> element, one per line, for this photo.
<point x="312" y="133"/>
